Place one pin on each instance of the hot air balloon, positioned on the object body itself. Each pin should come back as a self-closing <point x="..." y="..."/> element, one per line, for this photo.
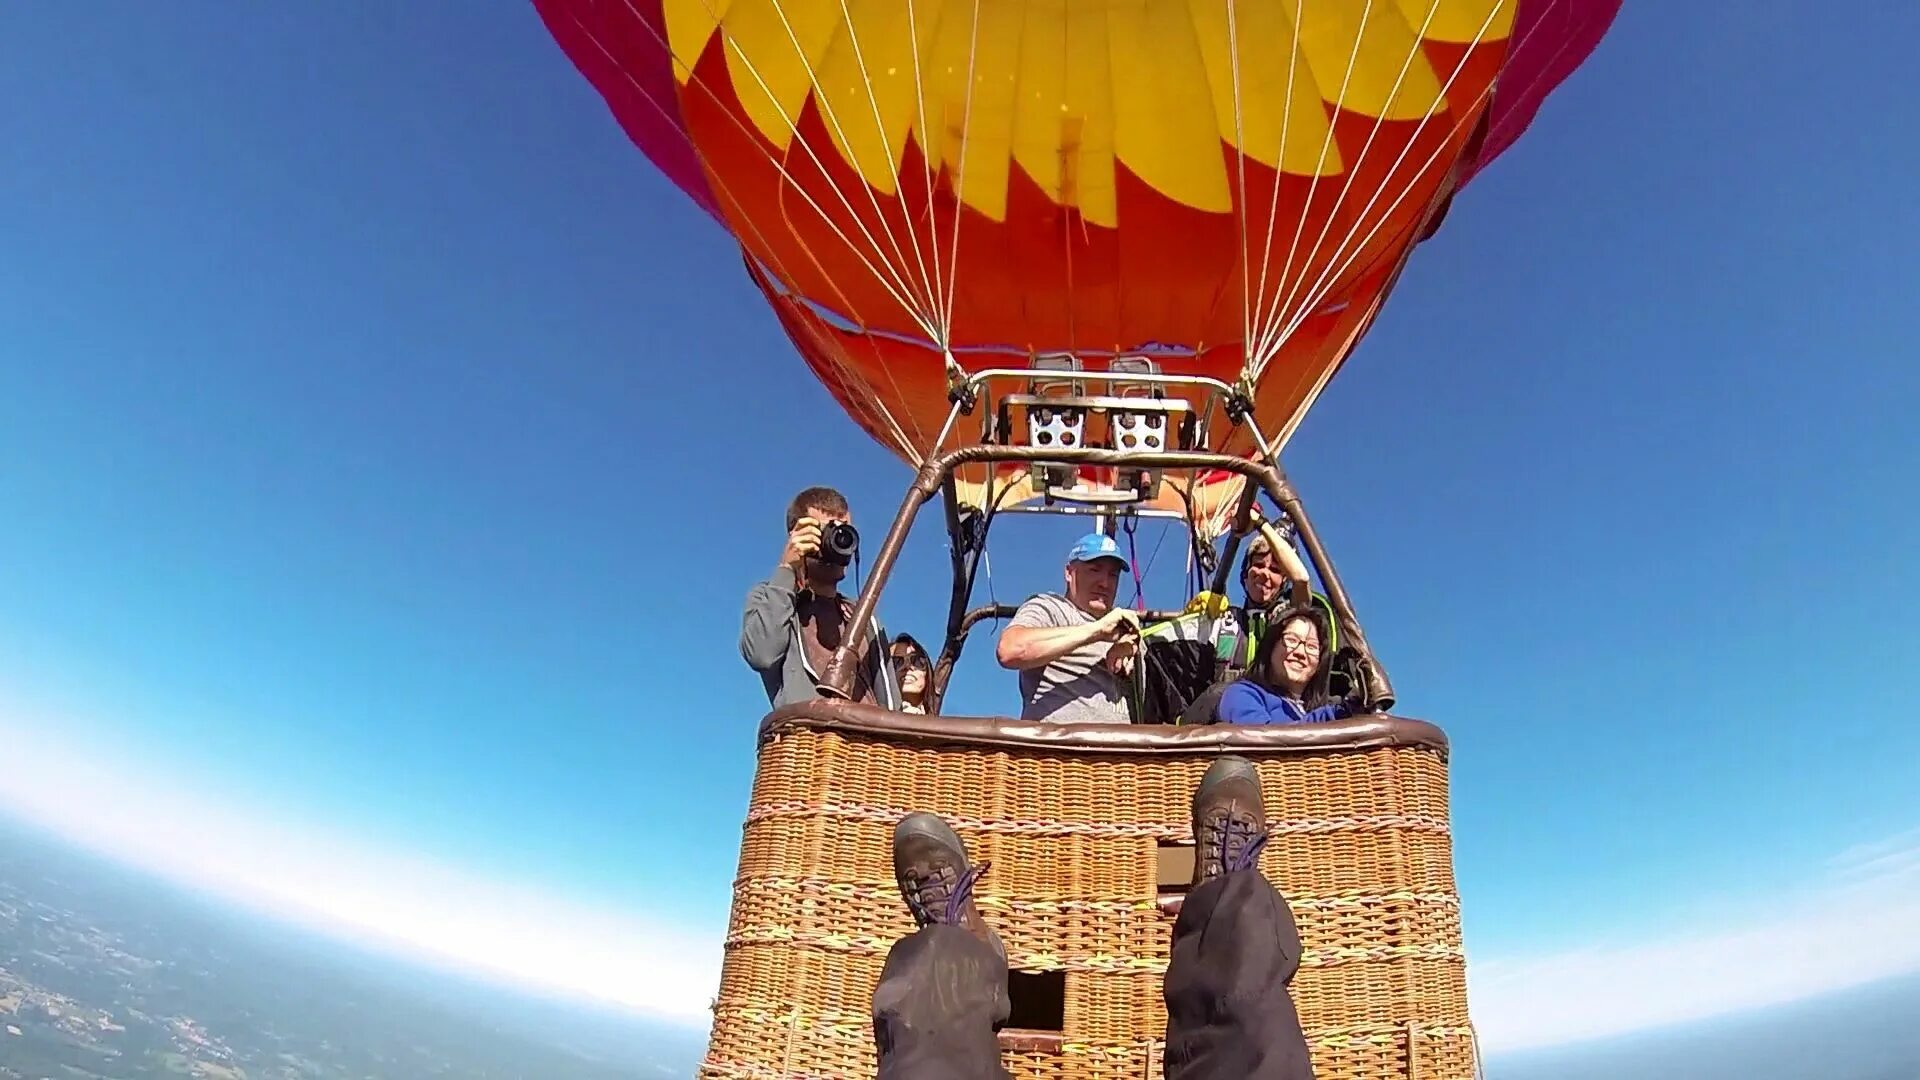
<point x="1097" y="256"/>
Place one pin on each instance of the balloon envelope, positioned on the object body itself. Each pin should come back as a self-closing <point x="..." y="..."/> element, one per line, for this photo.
<point x="1229" y="186"/>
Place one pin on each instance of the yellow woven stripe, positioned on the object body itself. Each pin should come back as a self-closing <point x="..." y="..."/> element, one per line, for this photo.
<point x="841" y="1021"/>
<point x="832" y="941"/>
<point x="869" y="812"/>
<point x="1344" y="901"/>
<point x="860" y="1025"/>
<point x="1383" y="1036"/>
<point x="730" y="1070"/>
<point x="845" y="1025"/>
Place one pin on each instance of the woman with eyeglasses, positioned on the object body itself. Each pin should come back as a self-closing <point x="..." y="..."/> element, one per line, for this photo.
<point x="1287" y="684"/>
<point x="912" y="670"/>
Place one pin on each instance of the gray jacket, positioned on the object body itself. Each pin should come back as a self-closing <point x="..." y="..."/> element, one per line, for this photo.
<point x="770" y="644"/>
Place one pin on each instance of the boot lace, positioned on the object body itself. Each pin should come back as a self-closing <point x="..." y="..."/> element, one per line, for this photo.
<point x="1239" y="842"/>
<point x="963" y="891"/>
<point x="941" y="896"/>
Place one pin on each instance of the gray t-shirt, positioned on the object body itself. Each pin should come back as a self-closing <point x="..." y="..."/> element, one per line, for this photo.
<point x="1076" y="688"/>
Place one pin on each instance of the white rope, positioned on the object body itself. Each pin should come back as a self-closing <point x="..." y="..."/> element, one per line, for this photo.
<point x="1247" y="306"/>
<point x="1313" y="187"/>
<point x="851" y="377"/>
<point x="1266" y="347"/>
<point x="960" y="176"/>
<point x="1329" y="274"/>
<point x="941" y="306"/>
<point x="1258" y="317"/>
<point x="929" y="317"/>
<point x="899" y="286"/>
<point x="880" y="129"/>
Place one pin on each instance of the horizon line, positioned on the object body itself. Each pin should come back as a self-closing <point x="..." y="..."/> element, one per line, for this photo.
<point x="1855" y="923"/>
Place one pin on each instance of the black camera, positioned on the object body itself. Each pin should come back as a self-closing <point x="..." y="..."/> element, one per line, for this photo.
<point x="839" y="542"/>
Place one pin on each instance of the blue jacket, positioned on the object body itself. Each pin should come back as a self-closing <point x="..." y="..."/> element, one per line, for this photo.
<point x="1247" y="702"/>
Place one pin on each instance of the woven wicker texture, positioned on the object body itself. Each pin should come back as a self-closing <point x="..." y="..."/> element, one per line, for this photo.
<point x="1361" y="849"/>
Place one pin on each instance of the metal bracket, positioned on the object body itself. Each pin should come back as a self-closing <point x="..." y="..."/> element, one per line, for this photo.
<point x="1240" y="402"/>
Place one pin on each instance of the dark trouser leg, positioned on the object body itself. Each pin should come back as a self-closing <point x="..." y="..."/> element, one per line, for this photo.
<point x="941" y="997"/>
<point x="1229" y="1015"/>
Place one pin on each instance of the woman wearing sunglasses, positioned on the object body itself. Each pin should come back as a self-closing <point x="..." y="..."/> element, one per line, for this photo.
<point x="913" y="671"/>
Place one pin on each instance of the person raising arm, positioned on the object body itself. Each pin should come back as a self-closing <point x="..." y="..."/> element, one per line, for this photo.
<point x="797" y="617"/>
<point x="1023" y="647"/>
<point x="1073" y="650"/>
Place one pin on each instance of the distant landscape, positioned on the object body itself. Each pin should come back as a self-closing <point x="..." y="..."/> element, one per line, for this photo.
<point x="107" y="974"/>
<point x="1870" y="1033"/>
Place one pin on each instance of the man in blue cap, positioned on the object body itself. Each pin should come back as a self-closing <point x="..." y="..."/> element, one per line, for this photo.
<point x="1075" y="652"/>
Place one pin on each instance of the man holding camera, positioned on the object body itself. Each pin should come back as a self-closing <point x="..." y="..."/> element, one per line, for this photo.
<point x="797" y="618"/>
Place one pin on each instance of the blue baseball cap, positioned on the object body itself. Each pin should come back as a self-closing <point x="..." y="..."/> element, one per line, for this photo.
<point x="1095" y="546"/>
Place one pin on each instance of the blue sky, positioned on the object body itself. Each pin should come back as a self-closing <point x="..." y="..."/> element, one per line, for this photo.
<point x="343" y="349"/>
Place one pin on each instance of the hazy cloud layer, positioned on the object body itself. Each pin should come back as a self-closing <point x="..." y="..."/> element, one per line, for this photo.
<point x="347" y="887"/>
<point x="1857" y="920"/>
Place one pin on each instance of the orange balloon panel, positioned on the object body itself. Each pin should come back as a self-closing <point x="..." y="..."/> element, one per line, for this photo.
<point x="1087" y="177"/>
<point x="1227" y="186"/>
<point x="896" y="391"/>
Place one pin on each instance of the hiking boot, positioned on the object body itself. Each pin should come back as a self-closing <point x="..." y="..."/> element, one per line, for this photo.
<point x="1229" y="822"/>
<point x="936" y="881"/>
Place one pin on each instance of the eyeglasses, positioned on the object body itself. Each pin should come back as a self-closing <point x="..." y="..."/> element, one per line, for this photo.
<point x="1293" y="641"/>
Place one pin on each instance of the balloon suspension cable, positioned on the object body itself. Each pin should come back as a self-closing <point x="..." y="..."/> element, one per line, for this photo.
<point x="1240" y="411"/>
<point x="1132" y="527"/>
<point x="1200" y="552"/>
<point x="940" y="444"/>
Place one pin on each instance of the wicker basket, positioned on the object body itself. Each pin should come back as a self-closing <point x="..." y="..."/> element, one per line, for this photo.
<point x="1087" y="828"/>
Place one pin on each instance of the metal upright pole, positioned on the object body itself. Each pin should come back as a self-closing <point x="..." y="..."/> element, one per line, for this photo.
<point x="837" y="680"/>
<point x="1223" y="572"/>
<point x="965" y="563"/>
<point x="1379" y="688"/>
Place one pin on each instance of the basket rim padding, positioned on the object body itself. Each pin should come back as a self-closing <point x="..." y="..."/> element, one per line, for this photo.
<point x="1257" y="740"/>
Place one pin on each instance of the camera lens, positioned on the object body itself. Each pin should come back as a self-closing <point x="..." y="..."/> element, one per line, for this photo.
<point x="838" y="543"/>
